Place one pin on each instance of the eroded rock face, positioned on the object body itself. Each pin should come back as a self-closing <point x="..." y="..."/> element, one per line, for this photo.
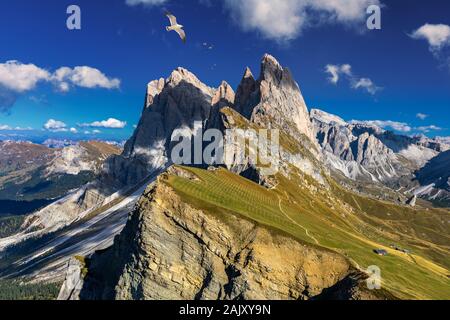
<point x="180" y="102"/>
<point x="174" y="103"/>
<point x="170" y="250"/>
<point x="73" y="282"/>
<point x="275" y="100"/>
<point x="360" y="152"/>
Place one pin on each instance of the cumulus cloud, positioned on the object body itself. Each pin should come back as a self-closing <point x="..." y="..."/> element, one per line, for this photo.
<point x="438" y="38"/>
<point x="336" y="71"/>
<point x="111" y="123"/>
<point x="422" y="116"/>
<point x="286" y="19"/>
<point x="367" y="84"/>
<point x="429" y="128"/>
<point x="385" y="124"/>
<point x="4" y="127"/>
<point x="17" y="78"/>
<point x="437" y="35"/>
<point x="397" y="126"/>
<point x="73" y="130"/>
<point x="145" y="2"/>
<point x="55" y="126"/>
<point x="84" y="77"/>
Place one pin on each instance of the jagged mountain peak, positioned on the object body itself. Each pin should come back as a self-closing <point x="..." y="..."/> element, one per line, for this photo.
<point x="153" y="89"/>
<point x="183" y="75"/>
<point x="327" y="118"/>
<point x="224" y="96"/>
<point x="278" y="102"/>
<point x="274" y="73"/>
<point x="246" y="94"/>
<point x="270" y="65"/>
<point x="248" y="74"/>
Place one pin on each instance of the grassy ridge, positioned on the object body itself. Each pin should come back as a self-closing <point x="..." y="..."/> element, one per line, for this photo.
<point x="314" y="218"/>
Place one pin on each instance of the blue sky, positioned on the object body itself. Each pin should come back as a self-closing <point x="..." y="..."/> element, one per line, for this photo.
<point x="396" y="73"/>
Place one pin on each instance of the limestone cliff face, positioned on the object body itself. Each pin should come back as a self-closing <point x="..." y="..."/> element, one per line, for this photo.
<point x="170" y="250"/>
<point x="362" y="148"/>
<point x="170" y="104"/>
<point x="274" y="100"/>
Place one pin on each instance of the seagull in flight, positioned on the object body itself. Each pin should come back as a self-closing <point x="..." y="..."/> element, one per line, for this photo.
<point x="174" y="26"/>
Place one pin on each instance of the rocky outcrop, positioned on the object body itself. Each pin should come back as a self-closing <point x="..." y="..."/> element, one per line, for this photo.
<point x="412" y="201"/>
<point x="175" y="103"/>
<point x="274" y="100"/>
<point x="73" y="282"/>
<point x="362" y="151"/>
<point x="171" y="250"/>
<point x="366" y="153"/>
<point x="182" y="102"/>
<point x="247" y="94"/>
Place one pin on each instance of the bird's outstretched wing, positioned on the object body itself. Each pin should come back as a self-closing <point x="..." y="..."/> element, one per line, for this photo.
<point x="181" y="33"/>
<point x="172" y="18"/>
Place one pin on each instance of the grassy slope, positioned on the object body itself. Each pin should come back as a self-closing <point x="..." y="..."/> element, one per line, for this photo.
<point x="316" y="218"/>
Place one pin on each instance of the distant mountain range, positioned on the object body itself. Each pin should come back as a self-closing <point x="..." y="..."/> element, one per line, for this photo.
<point x="147" y="229"/>
<point x="34" y="171"/>
<point x="368" y="153"/>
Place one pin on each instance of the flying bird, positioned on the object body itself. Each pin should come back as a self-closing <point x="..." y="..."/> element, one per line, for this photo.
<point x="174" y="26"/>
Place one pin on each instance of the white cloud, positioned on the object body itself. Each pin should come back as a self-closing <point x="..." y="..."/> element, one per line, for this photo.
<point x="285" y="19"/>
<point x="145" y="2"/>
<point x="367" y="84"/>
<point x="73" y="130"/>
<point x="336" y="71"/>
<point x="437" y="35"/>
<point x="111" y="123"/>
<point x="397" y="126"/>
<point x="96" y="131"/>
<point x="19" y="77"/>
<point x="438" y="38"/>
<point x="55" y="126"/>
<point x="4" y="127"/>
<point x="85" y="77"/>
<point x="422" y="116"/>
<point x="429" y="128"/>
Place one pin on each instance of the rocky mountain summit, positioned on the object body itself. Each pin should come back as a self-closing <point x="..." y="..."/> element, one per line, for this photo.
<point x="179" y="103"/>
<point x="369" y="153"/>
<point x="274" y="100"/>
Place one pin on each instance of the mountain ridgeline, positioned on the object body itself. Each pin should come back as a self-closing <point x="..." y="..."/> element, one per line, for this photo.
<point x="233" y="231"/>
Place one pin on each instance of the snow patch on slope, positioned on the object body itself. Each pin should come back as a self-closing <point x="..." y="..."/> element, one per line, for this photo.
<point x="71" y="160"/>
<point x="419" y="155"/>
<point x="326" y="117"/>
